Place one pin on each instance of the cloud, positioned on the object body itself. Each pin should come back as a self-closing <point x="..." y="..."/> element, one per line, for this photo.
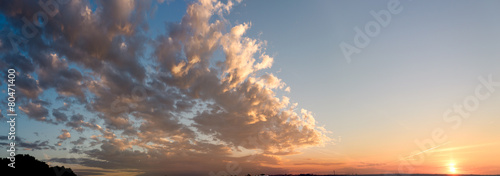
<point x="79" y="141"/>
<point x="55" y="73"/>
<point x="65" y="135"/>
<point x="28" y="86"/>
<point x="89" y="171"/>
<point x="364" y="164"/>
<point x="59" y="116"/>
<point x="319" y="164"/>
<point x="158" y="113"/>
<point x="270" y="81"/>
<point x="36" y="110"/>
<point x="77" y="123"/>
<point x="22" y="143"/>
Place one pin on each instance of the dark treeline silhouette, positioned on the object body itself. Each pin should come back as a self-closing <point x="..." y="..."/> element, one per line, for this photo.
<point x="28" y="165"/>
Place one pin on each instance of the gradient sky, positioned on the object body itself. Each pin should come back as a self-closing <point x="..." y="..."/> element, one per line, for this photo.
<point x="182" y="87"/>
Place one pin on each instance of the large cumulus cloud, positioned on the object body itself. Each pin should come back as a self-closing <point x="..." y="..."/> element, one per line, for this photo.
<point x="178" y="104"/>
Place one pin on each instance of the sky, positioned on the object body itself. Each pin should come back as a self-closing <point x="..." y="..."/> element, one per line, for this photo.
<point x="247" y="87"/>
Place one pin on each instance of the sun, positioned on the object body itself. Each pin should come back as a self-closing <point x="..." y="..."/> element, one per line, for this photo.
<point x="452" y="169"/>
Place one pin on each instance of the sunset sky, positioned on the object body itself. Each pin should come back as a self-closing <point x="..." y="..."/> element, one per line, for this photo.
<point x="180" y="87"/>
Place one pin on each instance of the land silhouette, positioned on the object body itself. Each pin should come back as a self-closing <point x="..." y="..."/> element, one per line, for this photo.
<point x="29" y="165"/>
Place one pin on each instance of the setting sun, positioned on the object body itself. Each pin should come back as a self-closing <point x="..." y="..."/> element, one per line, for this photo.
<point x="452" y="169"/>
